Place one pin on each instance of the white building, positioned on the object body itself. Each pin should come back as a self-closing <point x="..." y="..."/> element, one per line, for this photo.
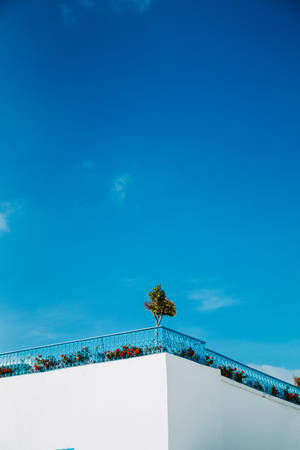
<point x="157" y="401"/>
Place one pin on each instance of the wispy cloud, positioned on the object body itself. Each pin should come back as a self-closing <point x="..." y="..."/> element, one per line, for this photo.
<point x="120" y="186"/>
<point x="86" y="2"/>
<point x="278" y="372"/>
<point x="211" y="299"/>
<point x="70" y="9"/>
<point x="6" y="210"/>
<point x="140" y="5"/>
<point x="88" y="164"/>
<point x="4" y="223"/>
<point x="67" y="13"/>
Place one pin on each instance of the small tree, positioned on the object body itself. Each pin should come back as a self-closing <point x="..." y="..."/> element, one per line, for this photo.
<point x="159" y="304"/>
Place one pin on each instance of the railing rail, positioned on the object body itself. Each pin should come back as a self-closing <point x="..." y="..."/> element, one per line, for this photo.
<point x="235" y="363"/>
<point x="135" y="343"/>
<point x="252" y="377"/>
<point x="78" y="340"/>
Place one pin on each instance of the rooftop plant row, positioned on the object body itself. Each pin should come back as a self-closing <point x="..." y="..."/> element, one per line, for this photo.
<point x="239" y="375"/>
<point x="87" y="355"/>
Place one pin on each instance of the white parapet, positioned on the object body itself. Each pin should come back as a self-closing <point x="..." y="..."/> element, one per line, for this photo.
<point x="157" y="402"/>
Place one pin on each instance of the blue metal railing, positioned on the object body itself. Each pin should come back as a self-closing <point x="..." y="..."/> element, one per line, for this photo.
<point x="252" y="377"/>
<point x="95" y="350"/>
<point x="139" y="343"/>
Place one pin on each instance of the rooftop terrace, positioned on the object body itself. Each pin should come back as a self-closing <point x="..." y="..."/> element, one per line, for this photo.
<point x="132" y="344"/>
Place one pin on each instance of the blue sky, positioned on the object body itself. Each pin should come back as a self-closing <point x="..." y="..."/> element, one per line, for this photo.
<point x="145" y="142"/>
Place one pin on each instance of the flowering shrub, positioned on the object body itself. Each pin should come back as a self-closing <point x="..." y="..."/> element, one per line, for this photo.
<point x="123" y="353"/>
<point x="239" y="376"/>
<point x="6" y="371"/>
<point x="233" y="373"/>
<point x="274" y="391"/>
<point x="81" y="357"/>
<point x="291" y="397"/>
<point x="67" y="360"/>
<point x="209" y="360"/>
<point x="258" y="386"/>
<point x="188" y="353"/>
<point x="43" y="364"/>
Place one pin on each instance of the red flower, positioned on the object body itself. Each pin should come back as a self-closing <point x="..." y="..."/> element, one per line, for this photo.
<point x="62" y="356"/>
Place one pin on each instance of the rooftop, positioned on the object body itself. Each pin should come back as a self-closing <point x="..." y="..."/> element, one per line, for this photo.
<point x="136" y="343"/>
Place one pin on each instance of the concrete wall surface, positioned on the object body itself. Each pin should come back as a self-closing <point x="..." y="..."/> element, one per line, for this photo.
<point x="209" y="412"/>
<point x="259" y="421"/>
<point x="194" y="405"/>
<point x="118" y="405"/>
<point x="158" y="402"/>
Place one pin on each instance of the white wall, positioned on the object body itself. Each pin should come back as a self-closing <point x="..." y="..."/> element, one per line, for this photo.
<point x="258" y="420"/>
<point x="194" y="405"/>
<point x="158" y="402"/>
<point x="119" y="405"/>
<point x="209" y="412"/>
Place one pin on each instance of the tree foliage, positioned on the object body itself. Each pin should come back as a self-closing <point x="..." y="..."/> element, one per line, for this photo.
<point x="159" y="304"/>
